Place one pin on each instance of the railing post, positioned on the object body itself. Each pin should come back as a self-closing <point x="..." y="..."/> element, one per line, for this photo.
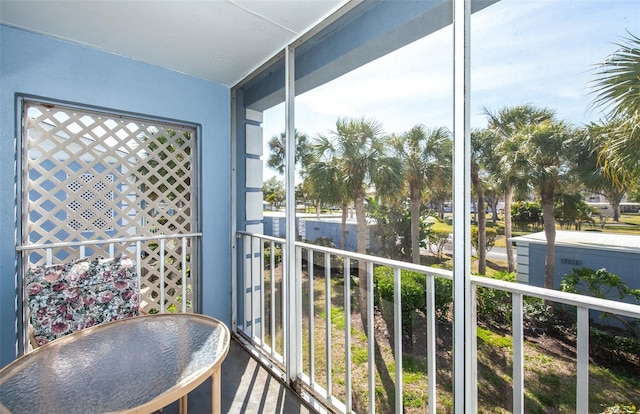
<point x="431" y="342"/>
<point x="397" y="330"/>
<point x="312" y="350"/>
<point x="347" y="332"/>
<point x="473" y="361"/>
<point x="261" y="282"/>
<point x="272" y="291"/>
<point x="582" y="350"/>
<point x="370" y="338"/>
<point x="184" y="275"/>
<point x="139" y="269"/>
<point x="161" y="265"/>
<point x="327" y="306"/>
<point x="518" y="353"/>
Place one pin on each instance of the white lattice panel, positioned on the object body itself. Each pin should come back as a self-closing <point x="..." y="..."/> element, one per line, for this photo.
<point x="89" y="175"/>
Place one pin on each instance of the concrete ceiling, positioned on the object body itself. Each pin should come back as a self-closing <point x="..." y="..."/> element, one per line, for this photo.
<point x="216" y="40"/>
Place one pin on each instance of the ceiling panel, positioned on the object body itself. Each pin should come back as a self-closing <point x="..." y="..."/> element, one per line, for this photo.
<point x="217" y="40"/>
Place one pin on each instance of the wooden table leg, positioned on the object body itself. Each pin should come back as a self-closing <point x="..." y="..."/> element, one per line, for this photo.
<point x="182" y="404"/>
<point x="215" y="392"/>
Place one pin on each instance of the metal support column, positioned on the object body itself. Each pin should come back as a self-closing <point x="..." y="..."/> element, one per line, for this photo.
<point x="463" y="372"/>
<point x="294" y="305"/>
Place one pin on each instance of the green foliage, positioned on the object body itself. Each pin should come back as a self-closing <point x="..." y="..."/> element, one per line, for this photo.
<point x="572" y="211"/>
<point x="495" y="340"/>
<point x="526" y="216"/>
<point x="318" y="257"/>
<point x="616" y="345"/>
<point x="412" y="287"/>
<point x="277" y="147"/>
<point x="598" y="283"/>
<point x="413" y="291"/>
<point x="491" y="235"/>
<point x="494" y="306"/>
<point x="267" y="254"/>
<point x="273" y="191"/>
<point x="437" y="240"/>
<point x="621" y="409"/>
<point x="393" y="228"/>
<point x="359" y="355"/>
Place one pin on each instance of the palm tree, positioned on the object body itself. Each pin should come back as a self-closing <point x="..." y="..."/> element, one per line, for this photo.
<point x="277" y="147"/>
<point x="425" y="154"/>
<point x="507" y="169"/>
<point x="327" y="181"/>
<point x="613" y="184"/>
<point x="360" y="152"/>
<point x="481" y="142"/>
<point x="543" y="150"/>
<point x="616" y="86"/>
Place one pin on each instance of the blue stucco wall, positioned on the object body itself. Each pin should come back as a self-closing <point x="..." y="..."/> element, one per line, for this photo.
<point x="315" y="229"/>
<point x="624" y="264"/>
<point x="39" y="66"/>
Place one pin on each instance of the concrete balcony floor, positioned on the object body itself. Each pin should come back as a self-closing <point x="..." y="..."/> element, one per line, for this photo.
<point x="246" y="388"/>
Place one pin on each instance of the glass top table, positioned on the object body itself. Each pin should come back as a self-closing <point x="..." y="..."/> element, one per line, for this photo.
<point x="136" y="364"/>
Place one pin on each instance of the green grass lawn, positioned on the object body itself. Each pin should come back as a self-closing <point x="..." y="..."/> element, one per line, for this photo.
<point x="628" y="224"/>
<point x="550" y="377"/>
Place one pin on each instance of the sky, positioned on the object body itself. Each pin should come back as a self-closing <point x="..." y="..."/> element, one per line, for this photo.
<point x="540" y="52"/>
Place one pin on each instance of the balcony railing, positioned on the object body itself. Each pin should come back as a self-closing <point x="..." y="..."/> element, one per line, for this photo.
<point x="163" y="264"/>
<point x="267" y="308"/>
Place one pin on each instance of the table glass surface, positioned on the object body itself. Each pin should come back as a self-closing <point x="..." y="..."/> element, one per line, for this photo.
<point x="115" y="366"/>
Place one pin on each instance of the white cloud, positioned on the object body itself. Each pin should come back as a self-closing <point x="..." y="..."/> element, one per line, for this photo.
<point x="540" y="52"/>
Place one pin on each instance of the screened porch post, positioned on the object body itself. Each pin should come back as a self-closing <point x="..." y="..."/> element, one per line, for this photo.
<point x="294" y="303"/>
<point x="463" y="365"/>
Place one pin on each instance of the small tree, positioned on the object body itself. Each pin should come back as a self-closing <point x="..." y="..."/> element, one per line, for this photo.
<point x="437" y="240"/>
<point x="491" y="235"/>
<point x="571" y="211"/>
<point x="273" y="192"/>
<point x="600" y="284"/>
<point x="526" y="215"/>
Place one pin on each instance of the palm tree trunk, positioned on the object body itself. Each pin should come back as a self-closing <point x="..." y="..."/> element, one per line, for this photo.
<point x="343" y="228"/>
<point x="550" y="234"/>
<point x="616" y="212"/>
<point x="482" y="224"/>
<point x="362" y="248"/>
<point x="508" y="195"/>
<point x="415" y="225"/>
<point x="494" y="210"/>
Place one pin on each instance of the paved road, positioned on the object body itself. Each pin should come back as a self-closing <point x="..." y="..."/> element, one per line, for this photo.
<point x="496" y="253"/>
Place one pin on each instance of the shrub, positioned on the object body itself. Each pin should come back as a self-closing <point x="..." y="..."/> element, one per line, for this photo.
<point x="437" y="240"/>
<point x="602" y="284"/>
<point x="493" y="305"/>
<point x="614" y="346"/>
<point x="526" y="215"/>
<point x="318" y="257"/>
<point x="267" y="254"/>
<point x="413" y="292"/>
<point x="490" y="234"/>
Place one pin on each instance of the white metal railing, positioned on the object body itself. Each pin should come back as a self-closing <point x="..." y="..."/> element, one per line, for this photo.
<point x="273" y="343"/>
<point x="130" y="246"/>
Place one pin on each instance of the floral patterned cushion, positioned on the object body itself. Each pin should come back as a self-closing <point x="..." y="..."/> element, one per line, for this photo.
<point x="71" y="296"/>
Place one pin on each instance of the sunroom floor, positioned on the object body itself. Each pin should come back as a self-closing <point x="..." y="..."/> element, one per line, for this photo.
<point x="247" y="387"/>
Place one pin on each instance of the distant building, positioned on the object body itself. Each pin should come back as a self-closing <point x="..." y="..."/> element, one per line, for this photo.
<point x="618" y="253"/>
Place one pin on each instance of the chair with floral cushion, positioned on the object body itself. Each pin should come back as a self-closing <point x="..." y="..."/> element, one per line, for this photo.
<point x="68" y="297"/>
